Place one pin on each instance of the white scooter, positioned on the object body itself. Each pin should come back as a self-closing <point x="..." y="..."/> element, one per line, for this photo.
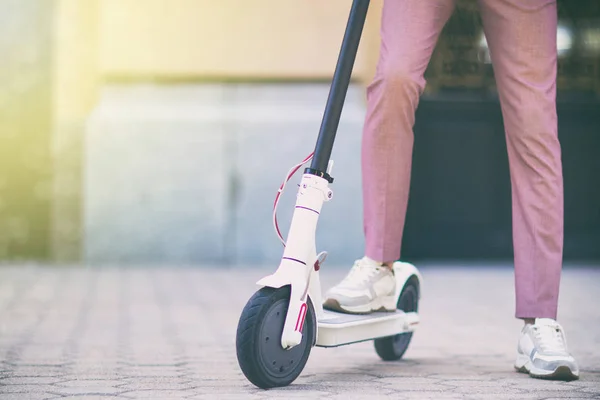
<point x="284" y="319"/>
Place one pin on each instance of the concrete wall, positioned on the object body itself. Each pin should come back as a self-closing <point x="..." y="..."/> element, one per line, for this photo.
<point x="188" y="173"/>
<point x="153" y="165"/>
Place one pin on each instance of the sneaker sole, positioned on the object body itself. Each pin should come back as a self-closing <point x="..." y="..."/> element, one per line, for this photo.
<point x="562" y="373"/>
<point x="375" y="306"/>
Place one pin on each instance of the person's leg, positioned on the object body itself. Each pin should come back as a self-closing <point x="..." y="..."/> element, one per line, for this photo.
<point x="409" y="33"/>
<point x="521" y="35"/>
<point x="522" y="39"/>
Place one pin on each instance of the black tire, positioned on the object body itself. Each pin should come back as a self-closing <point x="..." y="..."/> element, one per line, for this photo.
<point x="392" y="348"/>
<point x="258" y="340"/>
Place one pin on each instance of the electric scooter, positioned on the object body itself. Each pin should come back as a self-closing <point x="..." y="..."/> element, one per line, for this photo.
<point x="285" y="318"/>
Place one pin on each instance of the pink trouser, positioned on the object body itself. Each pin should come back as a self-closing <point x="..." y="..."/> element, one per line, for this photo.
<point x="521" y="35"/>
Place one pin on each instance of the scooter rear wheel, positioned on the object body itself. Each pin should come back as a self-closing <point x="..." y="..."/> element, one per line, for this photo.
<point x="262" y="359"/>
<point x="392" y="348"/>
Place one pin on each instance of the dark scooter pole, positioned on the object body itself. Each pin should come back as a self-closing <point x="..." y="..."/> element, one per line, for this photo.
<point x="339" y="88"/>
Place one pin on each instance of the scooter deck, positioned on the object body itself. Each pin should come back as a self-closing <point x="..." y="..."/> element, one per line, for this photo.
<point x="338" y="329"/>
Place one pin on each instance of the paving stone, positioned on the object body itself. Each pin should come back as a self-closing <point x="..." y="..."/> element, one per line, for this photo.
<point x="423" y="394"/>
<point x="27" y="396"/>
<point x="564" y="395"/>
<point x="577" y="396"/>
<point x="539" y="384"/>
<point x="340" y="379"/>
<point x="87" y="390"/>
<point x="88" y="383"/>
<point x="376" y="393"/>
<point x="227" y="396"/>
<point x="36" y="371"/>
<point x="28" y="388"/>
<point x="591" y="390"/>
<point x="99" y="373"/>
<point x="487" y="389"/>
<point x="158" y="385"/>
<point x="155" y="379"/>
<point x="465" y="383"/>
<point x="25" y="380"/>
<point x="154" y="371"/>
<point x="157" y="394"/>
<point x="91" y="397"/>
<point x="465" y="376"/>
<point x="511" y="396"/>
<point x="158" y="333"/>
<point x="412" y="380"/>
<point x="299" y="392"/>
<point x="42" y="363"/>
<point x="223" y="382"/>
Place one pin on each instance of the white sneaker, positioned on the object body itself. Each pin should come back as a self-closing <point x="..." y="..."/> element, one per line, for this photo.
<point x="542" y="352"/>
<point x="369" y="286"/>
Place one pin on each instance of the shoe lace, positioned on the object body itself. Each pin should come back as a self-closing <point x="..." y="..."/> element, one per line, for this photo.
<point x="361" y="273"/>
<point x="550" y="338"/>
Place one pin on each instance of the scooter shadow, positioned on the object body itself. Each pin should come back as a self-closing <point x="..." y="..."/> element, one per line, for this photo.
<point x="319" y="377"/>
<point x="373" y="369"/>
<point x="324" y="379"/>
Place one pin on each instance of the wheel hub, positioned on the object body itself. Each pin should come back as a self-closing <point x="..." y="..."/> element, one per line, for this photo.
<point x="278" y="361"/>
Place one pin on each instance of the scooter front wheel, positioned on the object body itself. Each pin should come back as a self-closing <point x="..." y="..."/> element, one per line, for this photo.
<point x="262" y="359"/>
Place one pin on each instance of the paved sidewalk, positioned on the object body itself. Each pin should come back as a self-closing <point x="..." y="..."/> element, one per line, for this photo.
<point x="169" y="334"/>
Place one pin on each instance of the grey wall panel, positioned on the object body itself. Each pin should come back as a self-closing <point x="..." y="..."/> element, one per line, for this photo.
<point x="155" y="178"/>
<point x="272" y="141"/>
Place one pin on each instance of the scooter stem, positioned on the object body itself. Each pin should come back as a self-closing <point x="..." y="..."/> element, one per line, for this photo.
<point x="297" y="267"/>
<point x="339" y="88"/>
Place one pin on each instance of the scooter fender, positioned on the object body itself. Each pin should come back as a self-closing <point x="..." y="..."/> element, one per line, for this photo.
<point x="404" y="271"/>
<point x="289" y="274"/>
